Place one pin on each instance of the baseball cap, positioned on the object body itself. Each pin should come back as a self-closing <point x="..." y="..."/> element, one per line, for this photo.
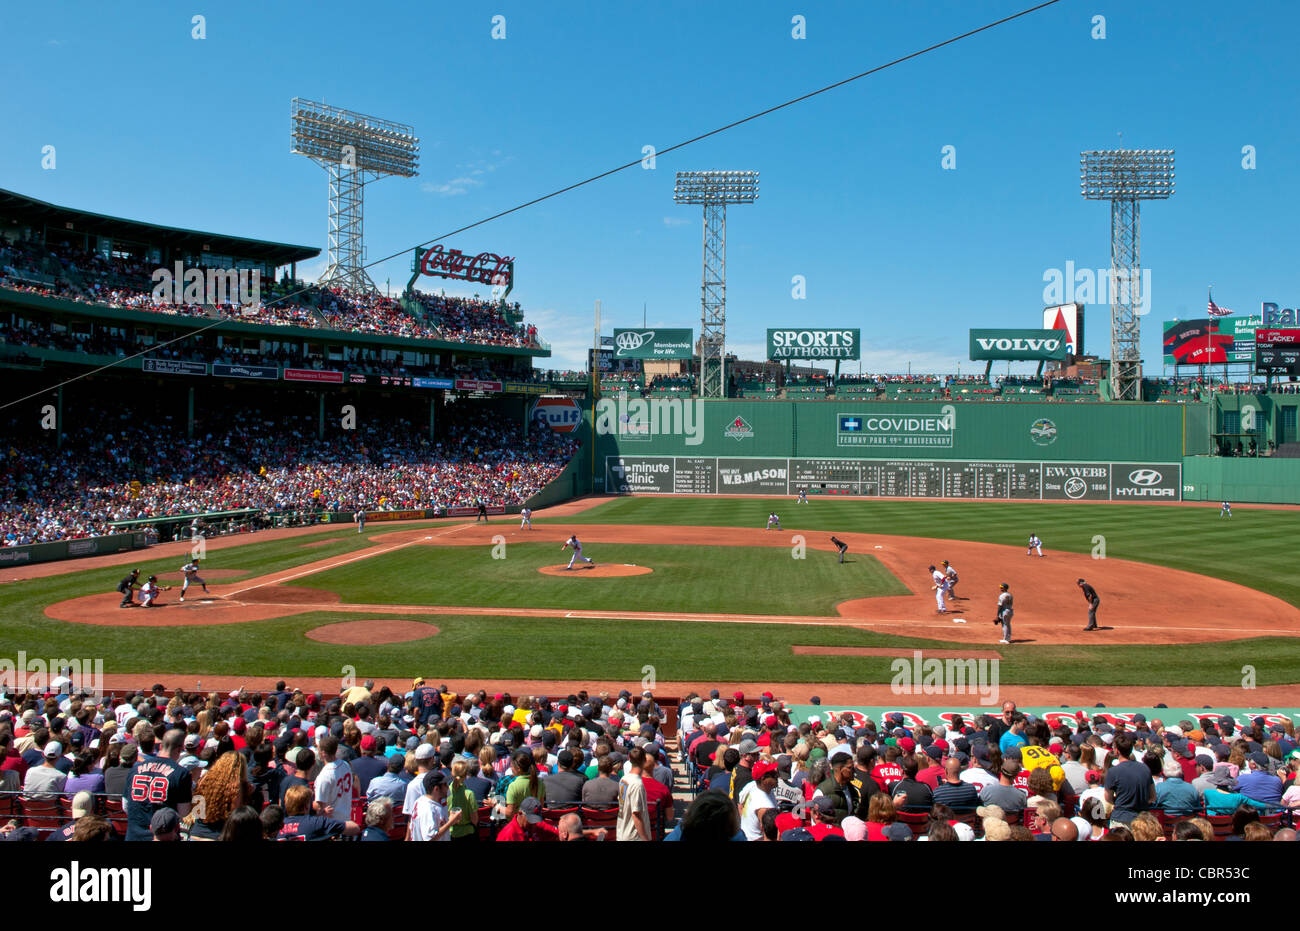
<point x="746" y="747"/>
<point x="964" y="831"/>
<point x="824" y="804"/>
<point x="934" y="752"/>
<point x="763" y="768"/>
<point x="425" y="752"/>
<point x="192" y="742"/>
<point x="855" y="829"/>
<point x="164" y="821"/>
<point x="53" y="749"/>
<point x="907" y="744"/>
<point x="898" y="831"/>
<point x="797" y="834"/>
<point x="368" y="742"/>
<point x="433" y="779"/>
<point x="1260" y="759"/>
<point x="83" y="803"/>
<point x="531" y="809"/>
<point x="129" y="752"/>
<point x="991" y="811"/>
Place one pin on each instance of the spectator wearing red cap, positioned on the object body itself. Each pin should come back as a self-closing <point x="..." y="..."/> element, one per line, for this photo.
<point x="755" y="799"/>
<point x="932" y="772"/>
<point x="369" y="765"/>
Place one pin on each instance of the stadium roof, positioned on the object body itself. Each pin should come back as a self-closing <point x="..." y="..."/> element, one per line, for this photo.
<point x="38" y="212"/>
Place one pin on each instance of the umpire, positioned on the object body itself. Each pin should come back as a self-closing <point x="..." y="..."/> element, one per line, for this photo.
<point x="127" y="588"/>
<point x="841" y="546"/>
<point x="1090" y="596"/>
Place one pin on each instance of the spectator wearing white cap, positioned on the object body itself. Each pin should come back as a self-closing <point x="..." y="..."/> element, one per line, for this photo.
<point x="426" y="760"/>
<point x="83" y="803"/>
<point x="47" y="780"/>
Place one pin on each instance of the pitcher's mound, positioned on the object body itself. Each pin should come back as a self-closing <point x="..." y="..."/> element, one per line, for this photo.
<point x="369" y="633"/>
<point x="598" y="571"/>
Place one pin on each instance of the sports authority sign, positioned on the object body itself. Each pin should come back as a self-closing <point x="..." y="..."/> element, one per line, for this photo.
<point x="653" y="344"/>
<point x="784" y="344"/>
<point x="485" y="268"/>
<point x="1034" y="345"/>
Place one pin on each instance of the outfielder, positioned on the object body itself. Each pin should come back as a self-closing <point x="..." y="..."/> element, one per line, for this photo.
<point x="360" y="518"/>
<point x="1094" y="600"/>
<point x="1034" y="544"/>
<point x="526" y="518"/>
<point x="940" y="588"/>
<point x="191" y="571"/>
<point x="1226" y="510"/>
<point x="577" y="551"/>
<point x="1005" y="611"/>
<point x="841" y="546"/>
<point x="773" y="519"/>
<point x="803" y="496"/>
<point x="950" y="574"/>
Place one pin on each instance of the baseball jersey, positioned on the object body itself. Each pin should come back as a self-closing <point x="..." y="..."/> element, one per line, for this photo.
<point x="1004" y="603"/>
<point x="426" y="703"/>
<point x="577" y="547"/>
<point x="951" y="573"/>
<point x="190" y="569"/>
<point x="310" y="827"/>
<point x="334" y="787"/>
<point x="939" y="578"/>
<point x="155" y="782"/>
<point x="1034" y="541"/>
<point x="526" y="513"/>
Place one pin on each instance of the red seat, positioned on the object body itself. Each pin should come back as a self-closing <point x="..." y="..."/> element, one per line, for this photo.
<point x="485" y="822"/>
<point x="1222" y="825"/>
<point x="398" y="830"/>
<point x="602" y="817"/>
<point x="553" y="815"/>
<point x="44" y="814"/>
<point x="919" y="822"/>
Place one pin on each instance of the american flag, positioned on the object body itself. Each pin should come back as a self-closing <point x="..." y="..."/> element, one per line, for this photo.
<point x="1217" y="311"/>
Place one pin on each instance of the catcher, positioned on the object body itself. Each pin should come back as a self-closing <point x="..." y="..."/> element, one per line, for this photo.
<point x="1005" y="612"/>
<point x="149" y="591"/>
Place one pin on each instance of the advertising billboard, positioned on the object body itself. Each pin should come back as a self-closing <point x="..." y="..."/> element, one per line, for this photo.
<point x="806" y="343"/>
<point x="1209" y="341"/>
<point x="654" y="344"/>
<point x="1018" y="345"/>
<point x="1067" y="317"/>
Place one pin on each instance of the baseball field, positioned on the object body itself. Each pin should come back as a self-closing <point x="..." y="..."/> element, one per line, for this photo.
<point x="698" y="589"/>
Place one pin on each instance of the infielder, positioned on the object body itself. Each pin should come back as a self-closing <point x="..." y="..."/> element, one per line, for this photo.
<point x="360" y="518"/>
<point x="950" y="574"/>
<point x="773" y="519"/>
<point x="803" y="496"/>
<point x="940" y="589"/>
<point x="191" y="571"/>
<point x="1034" y="544"/>
<point x="127" y="588"/>
<point x="526" y="518"/>
<point x="1005" y="611"/>
<point x="841" y="546"/>
<point x="1226" y="510"/>
<point x="577" y="551"/>
<point x="1094" y="600"/>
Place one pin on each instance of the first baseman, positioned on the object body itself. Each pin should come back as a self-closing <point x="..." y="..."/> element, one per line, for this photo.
<point x="1005" y="611"/>
<point x="1034" y="544"/>
<point x="1090" y="595"/>
<point x="526" y="518"/>
<point x="773" y="519"/>
<point x="191" y="571"/>
<point x="577" y="551"/>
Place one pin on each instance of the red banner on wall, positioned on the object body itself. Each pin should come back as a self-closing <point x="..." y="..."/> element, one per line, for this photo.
<point x="473" y="384"/>
<point x="327" y="378"/>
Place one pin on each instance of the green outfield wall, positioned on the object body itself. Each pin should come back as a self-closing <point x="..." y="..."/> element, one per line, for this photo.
<point x="1224" y="478"/>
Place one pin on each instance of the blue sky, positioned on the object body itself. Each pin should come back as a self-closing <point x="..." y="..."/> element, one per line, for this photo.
<point x="152" y="124"/>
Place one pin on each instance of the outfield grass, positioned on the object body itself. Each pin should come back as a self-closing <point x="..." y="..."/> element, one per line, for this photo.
<point x="686" y="579"/>
<point x="1252" y="548"/>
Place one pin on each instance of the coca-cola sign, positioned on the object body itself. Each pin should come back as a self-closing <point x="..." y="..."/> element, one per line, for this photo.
<point x="486" y="267"/>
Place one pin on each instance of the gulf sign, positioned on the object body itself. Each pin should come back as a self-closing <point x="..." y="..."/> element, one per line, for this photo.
<point x="560" y="414"/>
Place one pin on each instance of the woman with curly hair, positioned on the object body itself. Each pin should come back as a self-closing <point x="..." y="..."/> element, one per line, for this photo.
<point x="223" y="788"/>
<point x="881" y="813"/>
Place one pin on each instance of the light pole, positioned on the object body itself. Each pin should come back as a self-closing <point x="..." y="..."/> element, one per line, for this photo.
<point x="349" y="146"/>
<point x="714" y="189"/>
<point x="1125" y="177"/>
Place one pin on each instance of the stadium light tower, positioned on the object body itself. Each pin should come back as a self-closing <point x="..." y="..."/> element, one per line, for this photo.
<point x="714" y="189"/>
<point x="350" y="146"/>
<point x="1125" y="177"/>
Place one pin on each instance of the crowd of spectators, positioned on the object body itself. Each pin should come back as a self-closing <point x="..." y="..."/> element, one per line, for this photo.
<point x="92" y="278"/>
<point x="421" y="762"/>
<point x="115" y="468"/>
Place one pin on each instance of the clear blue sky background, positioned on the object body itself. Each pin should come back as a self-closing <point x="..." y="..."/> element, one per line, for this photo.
<point x="151" y="124"/>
